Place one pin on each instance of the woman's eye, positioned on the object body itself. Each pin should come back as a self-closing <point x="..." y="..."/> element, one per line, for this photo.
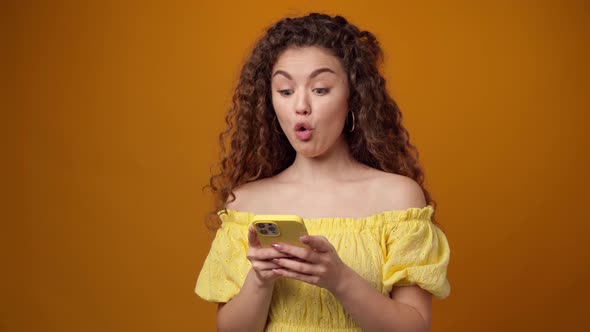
<point x="285" y="92"/>
<point x="321" y="91"/>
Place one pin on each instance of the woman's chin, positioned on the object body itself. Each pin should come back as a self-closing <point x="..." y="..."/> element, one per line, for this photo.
<point x="309" y="151"/>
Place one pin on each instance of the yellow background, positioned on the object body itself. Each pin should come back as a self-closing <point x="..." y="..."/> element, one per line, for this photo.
<point x="110" y="121"/>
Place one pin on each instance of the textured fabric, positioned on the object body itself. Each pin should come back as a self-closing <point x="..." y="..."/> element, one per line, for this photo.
<point x="399" y="247"/>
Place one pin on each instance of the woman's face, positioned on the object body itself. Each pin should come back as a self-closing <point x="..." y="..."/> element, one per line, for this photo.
<point x="310" y="98"/>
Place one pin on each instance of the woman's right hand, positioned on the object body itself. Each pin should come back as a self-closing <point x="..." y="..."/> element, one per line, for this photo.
<point x="261" y="259"/>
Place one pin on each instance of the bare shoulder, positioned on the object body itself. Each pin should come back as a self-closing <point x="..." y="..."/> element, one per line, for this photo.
<point x="399" y="192"/>
<point x="248" y="195"/>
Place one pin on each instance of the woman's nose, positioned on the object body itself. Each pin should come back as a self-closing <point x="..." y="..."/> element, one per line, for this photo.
<point x="302" y="104"/>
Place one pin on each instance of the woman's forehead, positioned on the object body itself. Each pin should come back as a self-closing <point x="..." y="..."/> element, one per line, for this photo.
<point x="305" y="60"/>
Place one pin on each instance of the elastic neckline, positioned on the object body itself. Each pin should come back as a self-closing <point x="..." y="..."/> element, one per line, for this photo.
<point x="423" y="213"/>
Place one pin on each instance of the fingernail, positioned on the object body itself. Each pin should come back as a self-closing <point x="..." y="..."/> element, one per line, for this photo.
<point x="276" y="246"/>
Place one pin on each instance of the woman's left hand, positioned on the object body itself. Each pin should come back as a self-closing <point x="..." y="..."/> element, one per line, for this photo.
<point x="320" y="265"/>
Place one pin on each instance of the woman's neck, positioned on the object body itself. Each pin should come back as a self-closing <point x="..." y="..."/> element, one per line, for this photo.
<point x="336" y="165"/>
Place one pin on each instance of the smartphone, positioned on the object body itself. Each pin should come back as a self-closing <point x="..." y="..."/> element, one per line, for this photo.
<point x="275" y="228"/>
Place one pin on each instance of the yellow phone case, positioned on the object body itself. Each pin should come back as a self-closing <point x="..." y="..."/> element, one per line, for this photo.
<point x="275" y="228"/>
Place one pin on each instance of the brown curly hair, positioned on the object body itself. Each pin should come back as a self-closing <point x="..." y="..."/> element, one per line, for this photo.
<point x="379" y="139"/>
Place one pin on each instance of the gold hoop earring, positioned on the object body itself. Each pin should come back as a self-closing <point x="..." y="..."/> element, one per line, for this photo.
<point x="274" y="127"/>
<point x="353" y="122"/>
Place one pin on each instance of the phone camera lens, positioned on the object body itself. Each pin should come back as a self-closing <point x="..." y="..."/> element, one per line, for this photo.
<point x="264" y="231"/>
<point x="272" y="229"/>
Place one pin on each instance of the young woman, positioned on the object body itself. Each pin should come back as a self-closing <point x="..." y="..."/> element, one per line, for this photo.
<point x="313" y="132"/>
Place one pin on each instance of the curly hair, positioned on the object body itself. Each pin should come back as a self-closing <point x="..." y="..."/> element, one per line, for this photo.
<point x="379" y="139"/>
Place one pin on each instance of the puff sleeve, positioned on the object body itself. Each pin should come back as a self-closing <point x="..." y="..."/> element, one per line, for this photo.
<point x="417" y="253"/>
<point x="226" y="266"/>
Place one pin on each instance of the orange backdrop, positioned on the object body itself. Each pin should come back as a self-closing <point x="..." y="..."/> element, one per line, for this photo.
<point x="114" y="109"/>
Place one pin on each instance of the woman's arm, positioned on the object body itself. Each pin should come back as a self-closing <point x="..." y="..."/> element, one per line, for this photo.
<point x="409" y="309"/>
<point x="248" y="310"/>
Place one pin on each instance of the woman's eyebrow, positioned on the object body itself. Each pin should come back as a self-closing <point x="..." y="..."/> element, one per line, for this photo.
<point x="312" y="75"/>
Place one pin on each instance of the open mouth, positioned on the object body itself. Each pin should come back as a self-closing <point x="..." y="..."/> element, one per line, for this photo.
<point x="303" y="132"/>
<point x="302" y="126"/>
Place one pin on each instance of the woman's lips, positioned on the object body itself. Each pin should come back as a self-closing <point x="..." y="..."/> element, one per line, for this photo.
<point x="303" y="135"/>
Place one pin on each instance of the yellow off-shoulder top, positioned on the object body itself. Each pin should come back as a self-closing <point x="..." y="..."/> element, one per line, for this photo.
<point x="398" y="247"/>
